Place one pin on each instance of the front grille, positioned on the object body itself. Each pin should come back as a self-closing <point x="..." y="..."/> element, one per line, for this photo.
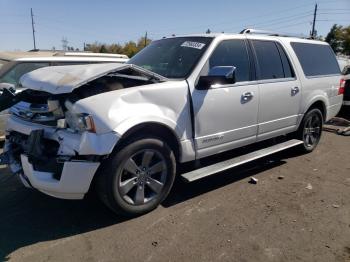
<point x="45" y="160"/>
<point x="37" y="113"/>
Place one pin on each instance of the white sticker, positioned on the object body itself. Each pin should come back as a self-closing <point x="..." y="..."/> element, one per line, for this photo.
<point x="193" y="44"/>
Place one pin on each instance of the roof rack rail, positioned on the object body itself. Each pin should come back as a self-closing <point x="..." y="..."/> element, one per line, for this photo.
<point x="90" y="54"/>
<point x="270" y="33"/>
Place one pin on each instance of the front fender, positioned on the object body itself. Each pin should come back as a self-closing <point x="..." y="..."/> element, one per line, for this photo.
<point x="165" y="103"/>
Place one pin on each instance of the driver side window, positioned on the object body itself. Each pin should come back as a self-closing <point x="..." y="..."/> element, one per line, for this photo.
<point x="231" y="53"/>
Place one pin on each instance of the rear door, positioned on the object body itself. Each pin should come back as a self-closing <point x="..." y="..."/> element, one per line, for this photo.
<point x="279" y="89"/>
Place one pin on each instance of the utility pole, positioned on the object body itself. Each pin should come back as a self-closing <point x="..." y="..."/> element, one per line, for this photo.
<point x="33" y="29"/>
<point x="146" y="39"/>
<point x="313" y="33"/>
<point x="64" y="43"/>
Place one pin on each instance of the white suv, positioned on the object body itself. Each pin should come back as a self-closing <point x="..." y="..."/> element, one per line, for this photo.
<point x="127" y="127"/>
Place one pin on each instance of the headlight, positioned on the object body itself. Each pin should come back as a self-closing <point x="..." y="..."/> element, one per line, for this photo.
<point x="80" y="122"/>
<point x="77" y="122"/>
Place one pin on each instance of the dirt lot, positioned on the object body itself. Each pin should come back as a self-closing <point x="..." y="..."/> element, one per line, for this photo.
<point x="298" y="211"/>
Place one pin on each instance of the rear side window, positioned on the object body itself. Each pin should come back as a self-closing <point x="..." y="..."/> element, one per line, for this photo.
<point x="269" y="60"/>
<point x="316" y="60"/>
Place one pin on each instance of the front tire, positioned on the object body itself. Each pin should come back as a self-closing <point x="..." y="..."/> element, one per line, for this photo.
<point x="138" y="177"/>
<point x="310" y="130"/>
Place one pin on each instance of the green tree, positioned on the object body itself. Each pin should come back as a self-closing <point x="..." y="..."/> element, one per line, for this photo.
<point x="141" y="43"/>
<point x="103" y="49"/>
<point x="130" y="49"/>
<point x="335" y="38"/>
<point x="346" y="40"/>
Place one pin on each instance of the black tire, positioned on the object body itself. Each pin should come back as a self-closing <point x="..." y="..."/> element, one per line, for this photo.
<point x="119" y="173"/>
<point x="310" y="130"/>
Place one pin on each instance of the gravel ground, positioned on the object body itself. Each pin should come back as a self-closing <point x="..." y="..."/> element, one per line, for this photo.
<point x="298" y="211"/>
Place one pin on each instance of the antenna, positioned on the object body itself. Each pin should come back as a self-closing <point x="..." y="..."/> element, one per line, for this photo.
<point x="33" y="29"/>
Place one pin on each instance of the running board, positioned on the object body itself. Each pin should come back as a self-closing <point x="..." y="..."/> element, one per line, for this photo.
<point x="222" y="166"/>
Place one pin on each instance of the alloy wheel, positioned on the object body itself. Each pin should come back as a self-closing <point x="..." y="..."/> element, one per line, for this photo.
<point x="143" y="177"/>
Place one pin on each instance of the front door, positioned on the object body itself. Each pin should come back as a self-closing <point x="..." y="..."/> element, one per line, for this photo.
<point x="226" y="115"/>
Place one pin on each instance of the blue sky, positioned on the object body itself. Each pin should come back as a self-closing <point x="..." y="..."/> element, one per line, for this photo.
<point x="116" y="21"/>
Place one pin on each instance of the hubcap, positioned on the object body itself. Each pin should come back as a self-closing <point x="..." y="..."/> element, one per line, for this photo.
<point x="143" y="177"/>
<point x="312" y="131"/>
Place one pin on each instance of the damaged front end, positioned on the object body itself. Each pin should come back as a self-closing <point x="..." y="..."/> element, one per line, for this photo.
<point x="48" y="144"/>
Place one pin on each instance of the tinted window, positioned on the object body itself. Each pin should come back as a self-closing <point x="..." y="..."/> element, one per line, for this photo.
<point x="287" y="68"/>
<point x="269" y="60"/>
<point x="316" y="60"/>
<point x="232" y="53"/>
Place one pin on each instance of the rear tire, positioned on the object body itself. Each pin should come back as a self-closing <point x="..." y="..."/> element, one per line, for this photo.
<point x="138" y="177"/>
<point x="310" y="130"/>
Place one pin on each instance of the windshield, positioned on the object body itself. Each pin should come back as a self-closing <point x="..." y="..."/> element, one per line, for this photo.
<point x="172" y="58"/>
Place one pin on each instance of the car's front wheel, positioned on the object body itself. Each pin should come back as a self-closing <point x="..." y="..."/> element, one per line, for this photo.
<point x="137" y="178"/>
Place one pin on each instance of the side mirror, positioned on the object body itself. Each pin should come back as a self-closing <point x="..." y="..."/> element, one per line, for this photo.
<point x="217" y="75"/>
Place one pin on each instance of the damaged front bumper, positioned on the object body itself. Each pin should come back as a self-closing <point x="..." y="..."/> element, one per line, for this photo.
<point x="56" y="162"/>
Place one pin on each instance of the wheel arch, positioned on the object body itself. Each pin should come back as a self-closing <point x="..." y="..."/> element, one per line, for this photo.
<point x="152" y="129"/>
<point x="321" y="105"/>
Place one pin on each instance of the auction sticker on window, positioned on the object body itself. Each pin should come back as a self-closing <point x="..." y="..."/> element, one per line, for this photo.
<point x="196" y="45"/>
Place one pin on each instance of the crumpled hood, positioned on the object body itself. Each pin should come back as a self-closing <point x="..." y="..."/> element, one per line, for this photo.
<point x="64" y="79"/>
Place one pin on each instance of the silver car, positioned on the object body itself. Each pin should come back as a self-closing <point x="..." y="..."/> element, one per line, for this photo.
<point x="128" y="127"/>
<point x="15" y="64"/>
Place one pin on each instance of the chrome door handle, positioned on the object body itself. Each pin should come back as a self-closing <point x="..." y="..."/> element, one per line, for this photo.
<point x="295" y="90"/>
<point x="247" y="96"/>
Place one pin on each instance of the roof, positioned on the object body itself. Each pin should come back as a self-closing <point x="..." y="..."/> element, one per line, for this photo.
<point x="15" y="55"/>
<point x="70" y="59"/>
<point x="48" y="55"/>
<point x="262" y="36"/>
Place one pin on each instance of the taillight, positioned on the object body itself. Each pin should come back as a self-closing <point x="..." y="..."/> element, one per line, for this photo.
<point x="341" y="87"/>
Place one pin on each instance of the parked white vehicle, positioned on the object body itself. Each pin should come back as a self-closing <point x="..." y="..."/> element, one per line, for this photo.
<point x="15" y="64"/>
<point x="127" y="127"/>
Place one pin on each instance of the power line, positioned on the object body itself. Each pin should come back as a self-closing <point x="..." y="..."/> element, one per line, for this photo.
<point x="240" y="20"/>
<point x="281" y="21"/>
<point x="291" y="25"/>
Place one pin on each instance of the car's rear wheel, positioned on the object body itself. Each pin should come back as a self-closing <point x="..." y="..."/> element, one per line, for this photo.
<point x="137" y="178"/>
<point x="310" y="130"/>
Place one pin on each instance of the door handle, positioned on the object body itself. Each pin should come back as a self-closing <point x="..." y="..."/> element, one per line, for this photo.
<point x="247" y="96"/>
<point x="295" y="90"/>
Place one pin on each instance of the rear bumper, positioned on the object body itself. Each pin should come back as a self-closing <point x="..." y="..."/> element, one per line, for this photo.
<point x="333" y="110"/>
<point x="346" y="103"/>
